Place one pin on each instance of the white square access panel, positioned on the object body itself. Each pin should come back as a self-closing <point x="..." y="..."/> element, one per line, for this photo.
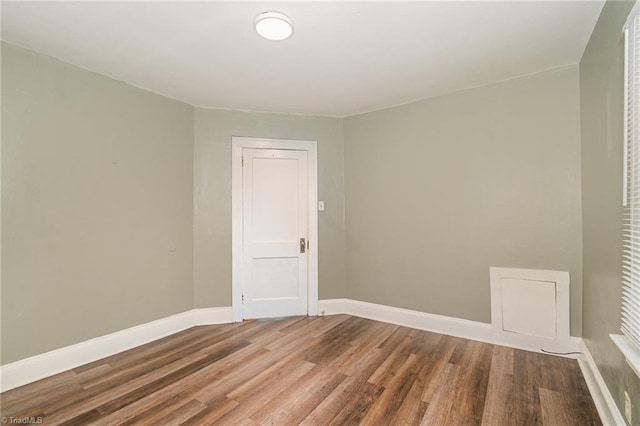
<point x="530" y="302"/>
<point x="529" y="307"/>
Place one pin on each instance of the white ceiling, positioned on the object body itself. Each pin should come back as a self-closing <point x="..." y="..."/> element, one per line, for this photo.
<point x="343" y="59"/>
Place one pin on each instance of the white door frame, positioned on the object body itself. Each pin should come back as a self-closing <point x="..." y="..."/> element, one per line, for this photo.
<point x="237" y="144"/>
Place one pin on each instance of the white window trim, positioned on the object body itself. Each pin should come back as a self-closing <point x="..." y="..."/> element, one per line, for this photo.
<point x="627" y="345"/>
<point x="629" y="349"/>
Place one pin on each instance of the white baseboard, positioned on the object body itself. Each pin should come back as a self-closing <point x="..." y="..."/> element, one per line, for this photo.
<point x="606" y="406"/>
<point x="208" y="316"/>
<point x="332" y="306"/>
<point x="53" y="362"/>
<point x="473" y="330"/>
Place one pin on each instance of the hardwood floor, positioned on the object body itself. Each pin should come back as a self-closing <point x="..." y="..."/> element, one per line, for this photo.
<point x="334" y="370"/>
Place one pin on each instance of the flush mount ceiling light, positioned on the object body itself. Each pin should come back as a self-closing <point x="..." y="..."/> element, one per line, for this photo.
<point x="274" y="26"/>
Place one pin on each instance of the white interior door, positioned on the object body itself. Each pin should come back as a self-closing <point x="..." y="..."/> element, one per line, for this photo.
<point x="275" y="229"/>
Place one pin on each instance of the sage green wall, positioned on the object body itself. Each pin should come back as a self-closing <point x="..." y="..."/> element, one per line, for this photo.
<point x="214" y="129"/>
<point x="440" y="190"/>
<point x="96" y="205"/>
<point x="602" y="94"/>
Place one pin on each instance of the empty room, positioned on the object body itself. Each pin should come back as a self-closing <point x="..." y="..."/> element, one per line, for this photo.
<point x="449" y="237"/>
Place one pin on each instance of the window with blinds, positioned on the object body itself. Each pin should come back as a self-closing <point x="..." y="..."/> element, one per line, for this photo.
<point x="631" y="195"/>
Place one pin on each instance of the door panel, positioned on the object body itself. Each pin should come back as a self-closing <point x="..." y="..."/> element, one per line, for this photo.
<point x="275" y="200"/>
<point x="276" y="278"/>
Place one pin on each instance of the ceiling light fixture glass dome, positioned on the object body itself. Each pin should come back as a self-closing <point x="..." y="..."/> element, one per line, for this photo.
<point x="274" y="26"/>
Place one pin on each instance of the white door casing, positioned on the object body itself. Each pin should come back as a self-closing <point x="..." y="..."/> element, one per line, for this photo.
<point x="274" y="198"/>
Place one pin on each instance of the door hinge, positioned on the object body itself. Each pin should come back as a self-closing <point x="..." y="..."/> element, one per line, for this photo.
<point x="242" y="161"/>
<point x="242" y="297"/>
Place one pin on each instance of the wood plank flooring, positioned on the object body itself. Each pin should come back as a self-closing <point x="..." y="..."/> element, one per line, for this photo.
<point x="334" y="370"/>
